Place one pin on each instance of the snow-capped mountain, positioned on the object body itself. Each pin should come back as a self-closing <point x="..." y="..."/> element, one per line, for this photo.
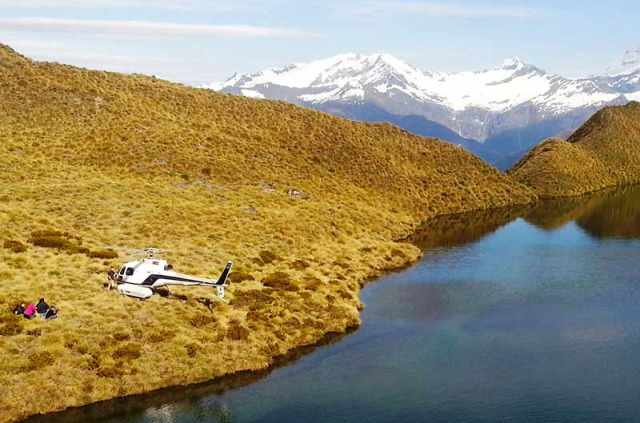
<point x="506" y="109"/>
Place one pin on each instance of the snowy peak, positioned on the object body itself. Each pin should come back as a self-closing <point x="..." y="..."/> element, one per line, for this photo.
<point x="473" y="104"/>
<point x="512" y="64"/>
<point x="341" y="77"/>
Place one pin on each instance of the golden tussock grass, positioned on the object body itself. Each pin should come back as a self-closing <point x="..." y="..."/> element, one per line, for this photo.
<point x="603" y="152"/>
<point x="102" y="161"/>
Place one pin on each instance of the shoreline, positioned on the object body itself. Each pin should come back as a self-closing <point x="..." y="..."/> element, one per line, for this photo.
<point x="277" y="361"/>
<point x="245" y="376"/>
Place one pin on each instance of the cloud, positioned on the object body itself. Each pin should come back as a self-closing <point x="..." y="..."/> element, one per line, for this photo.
<point x="383" y="8"/>
<point x="148" y="28"/>
<point x="183" y="5"/>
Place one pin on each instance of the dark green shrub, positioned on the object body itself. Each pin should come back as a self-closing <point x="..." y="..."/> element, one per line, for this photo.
<point x="56" y="242"/>
<point x="103" y="254"/>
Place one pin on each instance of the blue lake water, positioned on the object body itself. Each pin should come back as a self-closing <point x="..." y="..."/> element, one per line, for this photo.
<point x="516" y="315"/>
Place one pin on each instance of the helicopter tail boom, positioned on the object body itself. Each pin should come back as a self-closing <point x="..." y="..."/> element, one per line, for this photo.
<point x="225" y="274"/>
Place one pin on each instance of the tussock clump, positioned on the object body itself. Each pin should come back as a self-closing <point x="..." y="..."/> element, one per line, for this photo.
<point x="251" y="298"/>
<point x="267" y="256"/>
<point x="201" y="320"/>
<point x="128" y="352"/>
<point x="15" y="246"/>
<point x="312" y="283"/>
<point x="280" y="281"/>
<point x="11" y="324"/>
<point x="40" y="359"/>
<point x="121" y="336"/>
<point x="300" y="265"/>
<point x="192" y="349"/>
<point x="111" y="372"/>
<point x="161" y="336"/>
<point x="239" y="276"/>
<point x="236" y="331"/>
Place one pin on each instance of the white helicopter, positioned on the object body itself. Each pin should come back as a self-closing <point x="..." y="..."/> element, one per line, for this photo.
<point x="140" y="278"/>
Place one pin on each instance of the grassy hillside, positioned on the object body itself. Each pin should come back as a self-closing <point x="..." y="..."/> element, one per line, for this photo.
<point x="603" y="152"/>
<point x="94" y="161"/>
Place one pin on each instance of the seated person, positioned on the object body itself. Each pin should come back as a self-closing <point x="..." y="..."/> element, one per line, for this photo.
<point x="42" y="307"/>
<point x="19" y="309"/>
<point x="30" y="312"/>
<point x="52" y="313"/>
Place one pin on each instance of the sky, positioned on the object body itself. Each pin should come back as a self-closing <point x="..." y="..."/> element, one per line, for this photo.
<point x="200" y="41"/>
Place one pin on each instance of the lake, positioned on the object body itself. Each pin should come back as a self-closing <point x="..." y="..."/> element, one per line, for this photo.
<point x="528" y="314"/>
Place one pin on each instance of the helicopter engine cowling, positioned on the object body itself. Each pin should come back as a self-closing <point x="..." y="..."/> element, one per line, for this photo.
<point x="135" y="291"/>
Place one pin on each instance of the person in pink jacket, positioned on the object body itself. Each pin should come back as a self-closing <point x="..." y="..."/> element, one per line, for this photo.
<point x="30" y="312"/>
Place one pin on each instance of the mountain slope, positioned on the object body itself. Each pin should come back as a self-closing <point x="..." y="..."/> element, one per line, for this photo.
<point x="487" y="106"/>
<point x="603" y="152"/>
<point x="306" y="204"/>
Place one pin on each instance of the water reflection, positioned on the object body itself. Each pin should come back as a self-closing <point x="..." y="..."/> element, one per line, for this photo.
<point x="517" y="314"/>
<point x="606" y="214"/>
<point x="161" y="405"/>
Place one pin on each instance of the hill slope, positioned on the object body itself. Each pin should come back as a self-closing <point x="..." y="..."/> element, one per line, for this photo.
<point x="603" y="152"/>
<point x="101" y="160"/>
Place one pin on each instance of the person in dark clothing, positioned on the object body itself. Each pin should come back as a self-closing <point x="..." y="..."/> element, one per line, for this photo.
<point x="19" y="309"/>
<point x="42" y="307"/>
<point x="52" y="313"/>
<point x="112" y="282"/>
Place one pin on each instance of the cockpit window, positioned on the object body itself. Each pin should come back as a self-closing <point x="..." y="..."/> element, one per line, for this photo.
<point x="121" y="272"/>
<point x="129" y="271"/>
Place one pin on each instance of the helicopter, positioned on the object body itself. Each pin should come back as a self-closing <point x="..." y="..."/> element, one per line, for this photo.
<point x="141" y="278"/>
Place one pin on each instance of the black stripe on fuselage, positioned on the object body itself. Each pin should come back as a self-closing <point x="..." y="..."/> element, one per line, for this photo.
<point x="153" y="278"/>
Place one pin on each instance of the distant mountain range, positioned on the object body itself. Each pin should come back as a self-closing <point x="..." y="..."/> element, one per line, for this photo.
<point x="499" y="114"/>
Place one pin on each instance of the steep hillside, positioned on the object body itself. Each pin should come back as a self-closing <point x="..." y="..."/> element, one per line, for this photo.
<point x="307" y="205"/>
<point x="603" y="152"/>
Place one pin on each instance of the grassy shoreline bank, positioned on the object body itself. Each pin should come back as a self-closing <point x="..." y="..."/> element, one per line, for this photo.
<point x="439" y="230"/>
<point x="99" y="160"/>
<point x="338" y="327"/>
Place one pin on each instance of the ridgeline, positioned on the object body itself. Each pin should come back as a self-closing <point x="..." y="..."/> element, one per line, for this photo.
<point x="603" y="152"/>
<point x="94" y="165"/>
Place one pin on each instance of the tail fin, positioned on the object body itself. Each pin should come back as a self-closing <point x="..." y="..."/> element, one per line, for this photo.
<point x="225" y="274"/>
